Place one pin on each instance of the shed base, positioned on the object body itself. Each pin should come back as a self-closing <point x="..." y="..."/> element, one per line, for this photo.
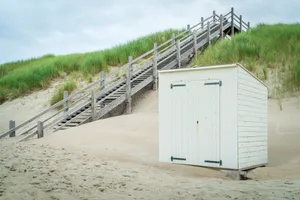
<point x="240" y="174"/>
<point x="235" y="174"/>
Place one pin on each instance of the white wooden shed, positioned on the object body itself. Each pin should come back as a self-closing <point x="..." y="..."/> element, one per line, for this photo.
<point x="214" y="116"/>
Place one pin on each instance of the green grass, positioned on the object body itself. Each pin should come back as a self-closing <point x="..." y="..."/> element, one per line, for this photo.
<point x="263" y="48"/>
<point x="22" y="77"/>
<point x="57" y="96"/>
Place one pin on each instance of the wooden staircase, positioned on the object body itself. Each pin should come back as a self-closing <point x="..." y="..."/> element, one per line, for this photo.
<point x="99" y="98"/>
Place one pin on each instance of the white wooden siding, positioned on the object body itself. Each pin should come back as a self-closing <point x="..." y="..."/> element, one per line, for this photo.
<point x="252" y="121"/>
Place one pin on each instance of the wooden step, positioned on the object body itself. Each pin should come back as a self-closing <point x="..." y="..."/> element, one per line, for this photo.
<point x="86" y="114"/>
<point x="78" y="120"/>
<point x="110" y="98"/>
<point x="72" y="124"/>
<point x="119" y="93"/>
<point x="116" y="96"/>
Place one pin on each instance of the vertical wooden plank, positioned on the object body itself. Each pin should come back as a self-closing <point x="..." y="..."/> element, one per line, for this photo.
<point x="202" y="22"/>
<point x="195" y="42"/>
<point x="232" y="21"/>
<point x="66" y="104"/>
<point x="241" y="23"/>
<point x="102" y="86"/>
<point x="155" y="67"/>
<point x="40" y="129"/>
<point x="173" y="39"/>
<point x="188" y="28"/>
<point x="93" y="106"/>
<point x="178" y="53"/>
<point x="128" y="85"/>
<point x="221" y="26"/>
<point x="214" y="16"/>
<point x="102" y="80"/>
<point x="12" y="125"/>
<point x="208" y="33"/>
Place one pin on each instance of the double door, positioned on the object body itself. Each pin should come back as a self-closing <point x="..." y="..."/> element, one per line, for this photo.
<point x="195" y="122"/>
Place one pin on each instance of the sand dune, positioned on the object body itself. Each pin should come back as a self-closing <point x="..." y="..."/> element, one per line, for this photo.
<point x="116" y="158"/>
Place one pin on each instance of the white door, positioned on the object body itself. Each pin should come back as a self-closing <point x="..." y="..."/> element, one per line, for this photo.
<point x="180" y="123"/>
<point x="206" y="138"/>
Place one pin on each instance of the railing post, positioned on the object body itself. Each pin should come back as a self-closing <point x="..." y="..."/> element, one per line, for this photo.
<point x="188" y="28"/>
<point x="12" y="124"/>
<point x="93" y="105"/>
<point x="241" y="23"/>
<point x="66" y="106"/>
<point x="102" y="80"/>
<point x="178" y="53"/>
<point x="128" y="86"/>
<point x="173" y="39"/>
<point x="248" y="25"/>
<point x="202" y="23"/>
<point x="208" y="33"/>
<point x="40" y="129"/>
<point x="155" y="66"/>
<point x="221" y="26"/>
<point x="214" y="16"/>
<point x="102" y="86"/>
<point x="195" y="42"/>
<point x="232" y="21"/>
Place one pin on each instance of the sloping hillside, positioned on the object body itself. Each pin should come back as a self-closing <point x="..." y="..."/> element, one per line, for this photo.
<point x="271" y="52"/>
<point x="22" y="77"/>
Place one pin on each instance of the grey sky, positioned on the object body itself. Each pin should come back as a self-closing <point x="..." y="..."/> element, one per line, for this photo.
<point x="33" y="28"/>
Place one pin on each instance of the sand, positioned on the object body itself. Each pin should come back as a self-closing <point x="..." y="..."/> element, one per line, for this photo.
<point x="23" y="108"/>
<point x="116" y="158"/>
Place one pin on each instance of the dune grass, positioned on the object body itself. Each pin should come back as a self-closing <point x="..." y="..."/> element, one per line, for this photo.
<point x="263" y="48"/>
<point x="22" y="77"/>
<point x="57" y="96"/>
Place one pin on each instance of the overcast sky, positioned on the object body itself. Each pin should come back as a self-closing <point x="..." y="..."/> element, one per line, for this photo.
<point x="33" y="28"/>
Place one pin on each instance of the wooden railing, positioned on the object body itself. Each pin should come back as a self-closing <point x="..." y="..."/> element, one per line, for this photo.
<point x="88" y="95"/>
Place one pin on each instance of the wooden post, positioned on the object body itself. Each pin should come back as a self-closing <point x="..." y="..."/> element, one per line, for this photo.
<point x="241" y="23"/>
<point x="128" y="86"/>
<point x="208" y="33"/>
<point x="221" y="26"/>
<point x="214" y="16"/>
<point x="248" y="24"/>
<point x="66" y="106"/>
<point x="195" y="42"/>
<point x="232" y="21"/>
<point x="93" y="105"/>
<point x="173" y="39"/>
<point x="12" y="124"/>
<point x="102" y="86"/>
<point x="188" y="28"/>
<point x="40" y="129"/>
<point x="155" y="67"/>
<point x="102" y="80"/>
<point x="178" y="53"/>
<point x="202" y="23"/>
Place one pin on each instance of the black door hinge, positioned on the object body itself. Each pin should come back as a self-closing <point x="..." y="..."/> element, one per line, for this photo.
<point x="174" y="158"/>
<point x="177" y="85"/>
<point x="213" y="161"/>
<point x="214" y="83"/>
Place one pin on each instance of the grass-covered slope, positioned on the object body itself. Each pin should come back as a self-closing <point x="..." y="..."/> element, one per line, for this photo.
<point x="264" y="50"/>
<point x="22" y="77"/>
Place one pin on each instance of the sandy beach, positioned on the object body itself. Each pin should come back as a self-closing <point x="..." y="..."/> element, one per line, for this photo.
<point x="117" y="158"/>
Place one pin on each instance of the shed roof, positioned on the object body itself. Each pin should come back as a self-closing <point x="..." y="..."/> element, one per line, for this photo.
<point x="211" y="67"/>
